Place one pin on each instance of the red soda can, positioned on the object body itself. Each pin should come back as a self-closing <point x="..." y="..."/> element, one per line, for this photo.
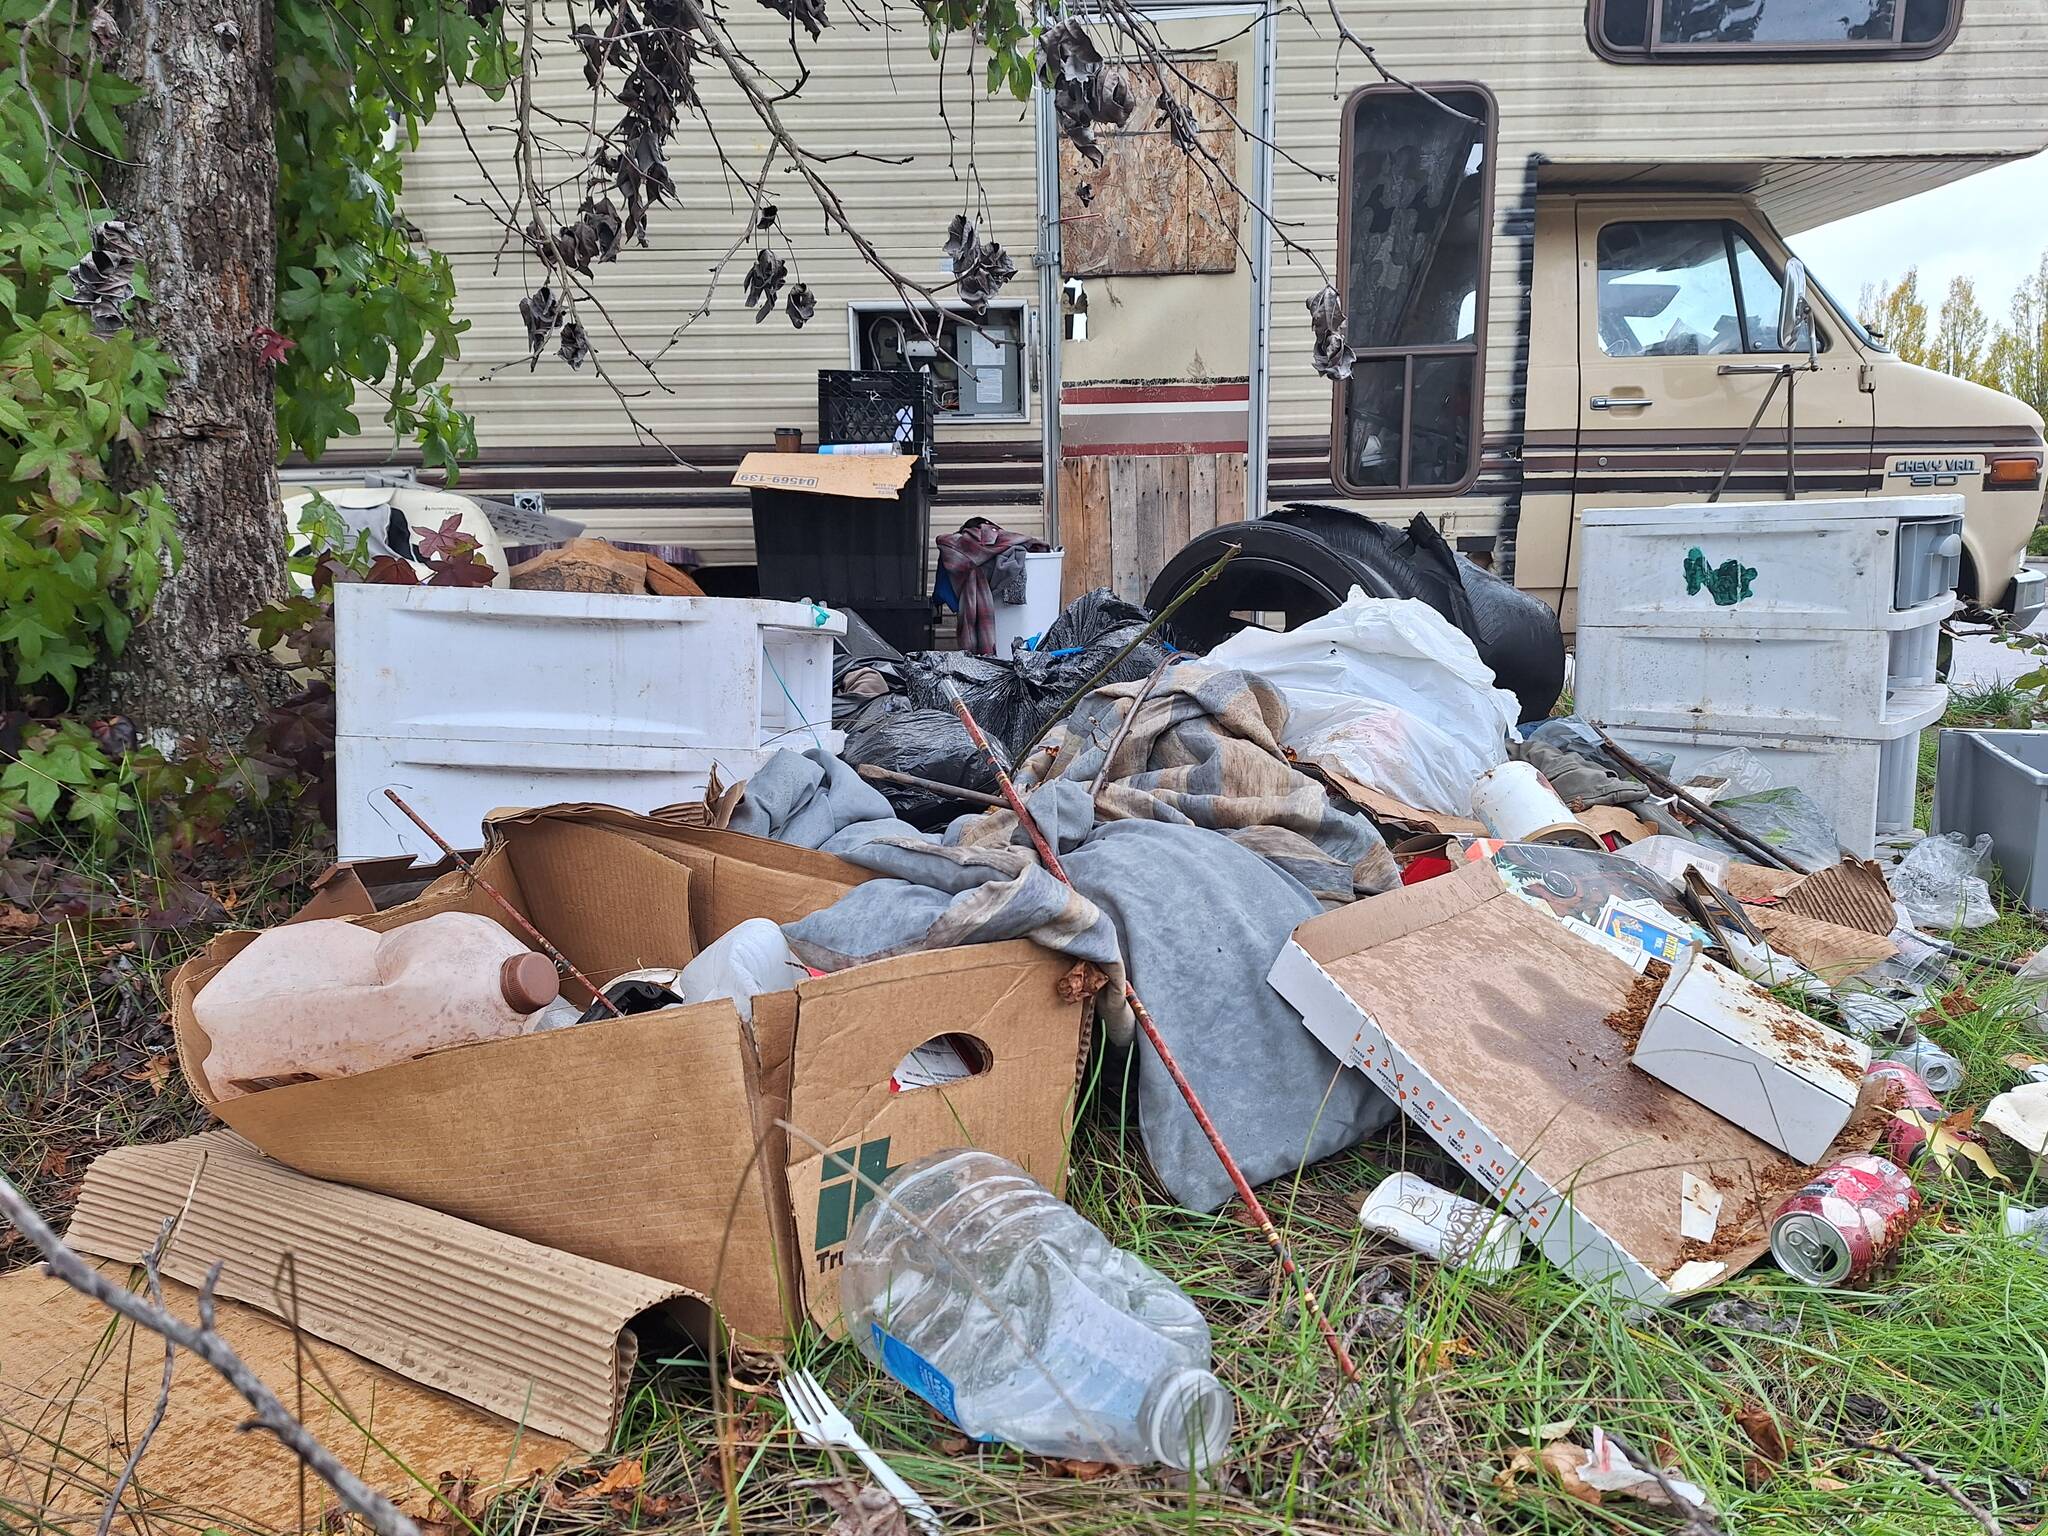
<point x="1847" y="1221"/>
<point x="1913" y="1116"/>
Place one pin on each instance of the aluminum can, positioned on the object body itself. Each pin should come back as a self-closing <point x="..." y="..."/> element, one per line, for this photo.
<point x="1911" y="1123"/>
<point x="1846" y="1222"/>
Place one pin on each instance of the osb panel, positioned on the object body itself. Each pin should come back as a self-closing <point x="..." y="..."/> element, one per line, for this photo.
<point x="1150" y="208"/>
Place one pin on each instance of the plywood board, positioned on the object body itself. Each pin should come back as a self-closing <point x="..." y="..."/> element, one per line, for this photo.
<point x="1230" y="492"/>
<point x="1152" y="208"/>
<point x="77" y="1386"/>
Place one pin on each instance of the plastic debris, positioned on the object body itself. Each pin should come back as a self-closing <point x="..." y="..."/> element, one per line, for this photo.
<point x="1459" y="1233"/>
<point x="1941" y="883"/>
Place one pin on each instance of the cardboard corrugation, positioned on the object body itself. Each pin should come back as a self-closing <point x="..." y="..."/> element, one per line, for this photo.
<point x="93" y="1392"/>
<point x="533" y="1334"/>
<point x="655" y="1143"/>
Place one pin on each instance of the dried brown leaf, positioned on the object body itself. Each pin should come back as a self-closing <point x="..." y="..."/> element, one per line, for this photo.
<point x="1081" y="1471"/>
<point x="1767" y="1442"/>
<point x="621" y="1478"/>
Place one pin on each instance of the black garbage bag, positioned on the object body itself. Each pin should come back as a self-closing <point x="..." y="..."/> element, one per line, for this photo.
<point x="1011" y="698"/>
<point x="891" y="732"/>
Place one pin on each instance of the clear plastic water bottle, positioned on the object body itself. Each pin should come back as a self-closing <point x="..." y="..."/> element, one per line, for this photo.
<point x="1006" y="1310"/>
<point x="2028" y="1226"/>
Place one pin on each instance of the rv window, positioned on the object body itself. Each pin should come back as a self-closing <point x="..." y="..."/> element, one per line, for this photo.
<point x="1688" y="29"/>
<point x="1685" y="288"/>
<point x="1413" y="242"/>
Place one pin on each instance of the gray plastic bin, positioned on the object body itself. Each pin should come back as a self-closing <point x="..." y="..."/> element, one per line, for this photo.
<point x="1997" y="782"/>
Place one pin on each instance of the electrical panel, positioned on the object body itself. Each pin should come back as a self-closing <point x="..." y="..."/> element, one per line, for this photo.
<point x="978" y="364"/>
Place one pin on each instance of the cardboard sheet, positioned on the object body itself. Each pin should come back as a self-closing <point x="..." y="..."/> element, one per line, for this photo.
<point x="1830" y="951"/>
<point x="1384" y="808"/>
<point x="866" y="476"/>
<point x="1488" y="1022"/>
<point x="77" y="1386"/>
<point x="535" y="1335"/>
<point x="1852" y="894"/>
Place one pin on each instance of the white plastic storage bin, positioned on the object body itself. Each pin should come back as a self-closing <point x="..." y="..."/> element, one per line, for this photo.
<point x="1809" y="682"/>
<point x="468" y="699"/>
<point x="1865" y="785"/>
<point x="1883" y="563"/>
<point x="1032" y="617"/>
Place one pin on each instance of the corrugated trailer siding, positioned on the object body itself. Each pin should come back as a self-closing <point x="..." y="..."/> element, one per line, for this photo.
<point x="1558" y="99"/>
<point x="729" y="381"/>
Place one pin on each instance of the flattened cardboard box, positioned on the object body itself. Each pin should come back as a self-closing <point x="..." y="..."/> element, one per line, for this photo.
<point x="1487" y="1022"/>
<point x="867" y="476"/>
<point x="656" y="1142"/>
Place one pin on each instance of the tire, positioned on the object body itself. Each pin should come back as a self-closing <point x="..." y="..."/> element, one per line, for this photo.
<point x="1278" y="569"/>
<point x="1304" y="559"/>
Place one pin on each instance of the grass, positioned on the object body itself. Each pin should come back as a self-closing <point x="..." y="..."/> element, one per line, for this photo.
<point x="1943" y="1356"/>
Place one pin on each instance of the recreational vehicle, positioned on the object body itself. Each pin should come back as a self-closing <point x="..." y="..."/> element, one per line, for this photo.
<point x="1564" y="260"/>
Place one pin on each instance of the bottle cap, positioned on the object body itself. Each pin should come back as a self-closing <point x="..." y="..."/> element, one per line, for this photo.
<point x="529" y="982"/>
<point x="1187" y="1419"/>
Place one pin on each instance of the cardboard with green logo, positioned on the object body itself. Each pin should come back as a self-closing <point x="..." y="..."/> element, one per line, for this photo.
<point x="685" y="1144"/>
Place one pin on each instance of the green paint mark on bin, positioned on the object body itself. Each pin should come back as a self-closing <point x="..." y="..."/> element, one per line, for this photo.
<point x="1727" y="583"/>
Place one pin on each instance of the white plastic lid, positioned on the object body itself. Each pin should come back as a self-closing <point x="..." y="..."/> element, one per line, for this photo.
<point x="1188" y="1421"/>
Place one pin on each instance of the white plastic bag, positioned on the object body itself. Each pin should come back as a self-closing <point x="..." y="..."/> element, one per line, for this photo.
<point x="743" y="962"/>
<point x="1941" y="884"/>
<point x="1387" y="692"/>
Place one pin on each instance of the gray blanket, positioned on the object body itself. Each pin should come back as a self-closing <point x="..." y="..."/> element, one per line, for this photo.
<point x="1197" y="917"/>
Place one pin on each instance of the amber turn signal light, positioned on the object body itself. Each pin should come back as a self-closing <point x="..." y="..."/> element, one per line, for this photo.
<point x="2013" y="472"/>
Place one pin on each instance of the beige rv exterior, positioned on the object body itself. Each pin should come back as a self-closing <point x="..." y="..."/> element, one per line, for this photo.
<point x="1163" y="408"/>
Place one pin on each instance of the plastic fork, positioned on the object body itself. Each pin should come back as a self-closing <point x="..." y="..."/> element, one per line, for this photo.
<point x="820" y="1422"/>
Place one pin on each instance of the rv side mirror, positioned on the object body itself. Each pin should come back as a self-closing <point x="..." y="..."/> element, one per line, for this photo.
<point x="1793" y="309"/>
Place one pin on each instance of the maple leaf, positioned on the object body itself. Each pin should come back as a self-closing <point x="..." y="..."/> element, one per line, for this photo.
<point x="447" y="540"/>
<point x="271" y="346"/>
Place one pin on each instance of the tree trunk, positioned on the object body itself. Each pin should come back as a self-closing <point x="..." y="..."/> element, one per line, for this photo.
<point x="200" y="188"/>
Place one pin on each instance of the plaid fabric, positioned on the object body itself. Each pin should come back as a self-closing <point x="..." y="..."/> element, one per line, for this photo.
<point x="965" y="556"/>
<point x="1205" y="751"/>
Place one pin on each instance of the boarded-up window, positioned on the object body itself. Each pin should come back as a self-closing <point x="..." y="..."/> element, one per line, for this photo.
<point x="1151" y="207"/>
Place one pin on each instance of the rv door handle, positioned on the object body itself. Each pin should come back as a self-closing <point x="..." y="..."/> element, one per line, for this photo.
<point x="1619" y="402"/>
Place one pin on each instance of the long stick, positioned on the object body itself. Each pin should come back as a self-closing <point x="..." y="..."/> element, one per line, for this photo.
<point x="875" y="773"/>
<point x="1144" y="1017"/>
<point x="1700" y="809"/>
<point x="511" y="911"/>
<point x="1158" y="621"/>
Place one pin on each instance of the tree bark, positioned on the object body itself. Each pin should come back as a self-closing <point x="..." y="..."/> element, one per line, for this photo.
<point x="200" y="187"/>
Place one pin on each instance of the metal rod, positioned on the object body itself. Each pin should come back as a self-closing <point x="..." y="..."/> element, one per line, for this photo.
<point x="1742" y="447"/>
<point x="490" y="890"/>
<point x="1067" y="704"/>
<point x="1143" y="1015"/>
<point x="875" y="773"/>
<point x="1699" y="808"/>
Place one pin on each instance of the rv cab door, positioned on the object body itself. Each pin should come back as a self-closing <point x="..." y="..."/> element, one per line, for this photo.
<point x="1678" y="347"/>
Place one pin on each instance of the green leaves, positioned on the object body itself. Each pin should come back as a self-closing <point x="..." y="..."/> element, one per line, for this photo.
<point x="372" y="315"/>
